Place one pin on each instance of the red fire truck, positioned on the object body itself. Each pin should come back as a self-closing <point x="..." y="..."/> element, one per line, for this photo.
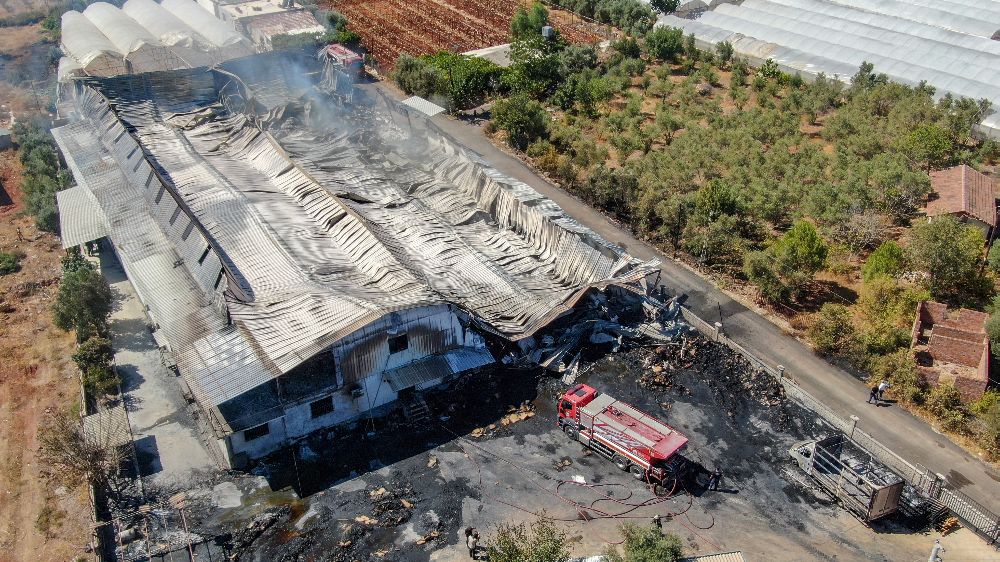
<point x="352" y="63"/>
<point x="636" y="442"/>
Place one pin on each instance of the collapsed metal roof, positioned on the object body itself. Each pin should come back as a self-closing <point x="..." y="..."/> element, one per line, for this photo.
<point x="239" y="191"/>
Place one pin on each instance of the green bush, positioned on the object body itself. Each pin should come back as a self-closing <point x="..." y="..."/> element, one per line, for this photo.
<point x="646" y="544"/>
<point x="522" y="118"/>
<point x="949" y="252"/>
<point x="42" y="175"/>
<point x="463" y="80"/>
<point x="887" y="260"/>
<point x="833" y="332"/>
<point x="945" y="402"/>
<point x="529" y="22"/>
<point x="900" y="369"/>
<point x="83" y="303"/>
<point x="665" y="43"/>
<point x="986" y="403"/>
<point x="10" y="262"/>
<point x="993" y="258"/>
<point x="541" y="542"/>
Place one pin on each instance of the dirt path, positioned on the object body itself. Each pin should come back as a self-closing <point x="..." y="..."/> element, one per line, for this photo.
<point x="38" y="520"/>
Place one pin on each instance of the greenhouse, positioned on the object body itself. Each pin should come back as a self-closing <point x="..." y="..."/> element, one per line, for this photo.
<point x="91" y="49"/>
<point x="946" y="44"/>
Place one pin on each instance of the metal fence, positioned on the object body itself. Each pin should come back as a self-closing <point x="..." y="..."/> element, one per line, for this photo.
<point x="974" y="516"/>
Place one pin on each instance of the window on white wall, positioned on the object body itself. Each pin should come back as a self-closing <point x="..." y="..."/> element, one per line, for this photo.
<point x="256" y="432"/>
<point x="398" y="343"/>
<point x="321" y="407"/>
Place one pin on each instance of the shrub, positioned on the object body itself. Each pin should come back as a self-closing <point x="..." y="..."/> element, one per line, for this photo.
<point x="887" y="260"/>
<point x="646" y="544"/>
<point x="101" y="382"/>
<point x="522" y="118"/>
<point x="725" y="52"/>
<point x="993" y="258"/>
<point x="900" y="369"/>
<point x="945" y="402"/>
<point x="833" y="332"/>
<point x="665" y="43"/>
<point x="9" y="263"/>
<point x="541" y="542"/>
<point x="83" y="303"/>
<point x="665" y="6"/>
<point x="987" y="402"/>
<point x="530" y="21"/>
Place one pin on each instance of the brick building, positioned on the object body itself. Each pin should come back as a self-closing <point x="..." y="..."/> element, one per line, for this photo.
<point x="952" y="347"/>
<point x="965" y="194"/>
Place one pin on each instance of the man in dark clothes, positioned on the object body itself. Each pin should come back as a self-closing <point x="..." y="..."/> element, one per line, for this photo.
<point x="873" y="395"/>
<point x="713" y="480"/>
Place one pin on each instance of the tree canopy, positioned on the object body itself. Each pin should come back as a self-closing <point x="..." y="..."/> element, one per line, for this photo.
<point x="83" y="302"/>
<point x="949" y="253"/>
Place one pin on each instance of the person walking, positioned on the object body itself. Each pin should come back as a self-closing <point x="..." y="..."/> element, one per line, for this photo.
<point x="657" y="522"/>
<point x="873" y="395"/>
<point x="881" y="388"/>
<point x="472" y="541"/>
<point x="713" y="480"/>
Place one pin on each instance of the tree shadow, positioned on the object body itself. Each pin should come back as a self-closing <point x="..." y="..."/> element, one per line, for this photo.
<point x="148" y="455"/>
<point x="132" y="334"/>
<point x="818" y="293"/>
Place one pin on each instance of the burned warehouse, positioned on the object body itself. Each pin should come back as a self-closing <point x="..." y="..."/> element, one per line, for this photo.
<point x="307" y="261"/>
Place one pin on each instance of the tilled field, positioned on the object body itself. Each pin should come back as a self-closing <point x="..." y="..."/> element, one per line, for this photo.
<point x="389" y="28"/>
<point x="386" y="490"/>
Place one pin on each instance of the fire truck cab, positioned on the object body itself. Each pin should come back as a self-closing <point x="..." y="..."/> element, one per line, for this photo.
<point x="352" y="63"/>
<point x="636" y="442"/>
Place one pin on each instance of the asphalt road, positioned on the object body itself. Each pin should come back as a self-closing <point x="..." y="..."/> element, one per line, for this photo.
<point x="909" y="436"/>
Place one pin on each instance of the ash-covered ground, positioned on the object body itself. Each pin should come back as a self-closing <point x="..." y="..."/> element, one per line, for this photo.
<point x="492" y="453"/>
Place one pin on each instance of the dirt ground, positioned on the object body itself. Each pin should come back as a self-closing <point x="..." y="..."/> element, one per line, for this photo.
<point x="386" y="490"/>
<point x="24" y="52"/>
<point x="38" y="520"/>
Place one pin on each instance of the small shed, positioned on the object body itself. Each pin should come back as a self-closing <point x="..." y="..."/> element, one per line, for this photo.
<point x="952" y="347"/>
<point x="964" y="193"/>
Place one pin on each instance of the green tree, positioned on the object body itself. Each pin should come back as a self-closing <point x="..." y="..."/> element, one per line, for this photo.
<point x="529" y="22"/>
<point x="833" y="333"/>
<point x="95" y="358"/>
<point x="664" y="43"/>
<point x="725" y="51"/>
<point x="646" y="544"/>
<point x="930" y="144"/>
<point x="541" y="542"/>
<point x="83" y="303"/>
<point x="522" y="118"/>
<point x="887" y="260"/>
<point x="949" y="252"/>
<point x="665" y="6"/>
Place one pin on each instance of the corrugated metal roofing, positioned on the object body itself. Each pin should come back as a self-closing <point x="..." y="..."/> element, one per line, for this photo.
<point x="108" y="428"/>
<point x="423" y="106"/>
<point x="735" y="556"/>
<point x="81" y="218"/>
<point x="437" y="366"/>
<point x="313" y="225"/>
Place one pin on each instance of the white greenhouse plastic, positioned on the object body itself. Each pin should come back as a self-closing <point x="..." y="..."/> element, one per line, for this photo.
<point x="207" y="25"/>
<point x="143" y="52"/>
<point x="160" y="23"/>
<point x="92" y="49"/>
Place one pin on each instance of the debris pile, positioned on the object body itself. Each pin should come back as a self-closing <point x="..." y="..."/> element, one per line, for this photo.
<point x="390" y="505"/>
<point x="515" y="414"/>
